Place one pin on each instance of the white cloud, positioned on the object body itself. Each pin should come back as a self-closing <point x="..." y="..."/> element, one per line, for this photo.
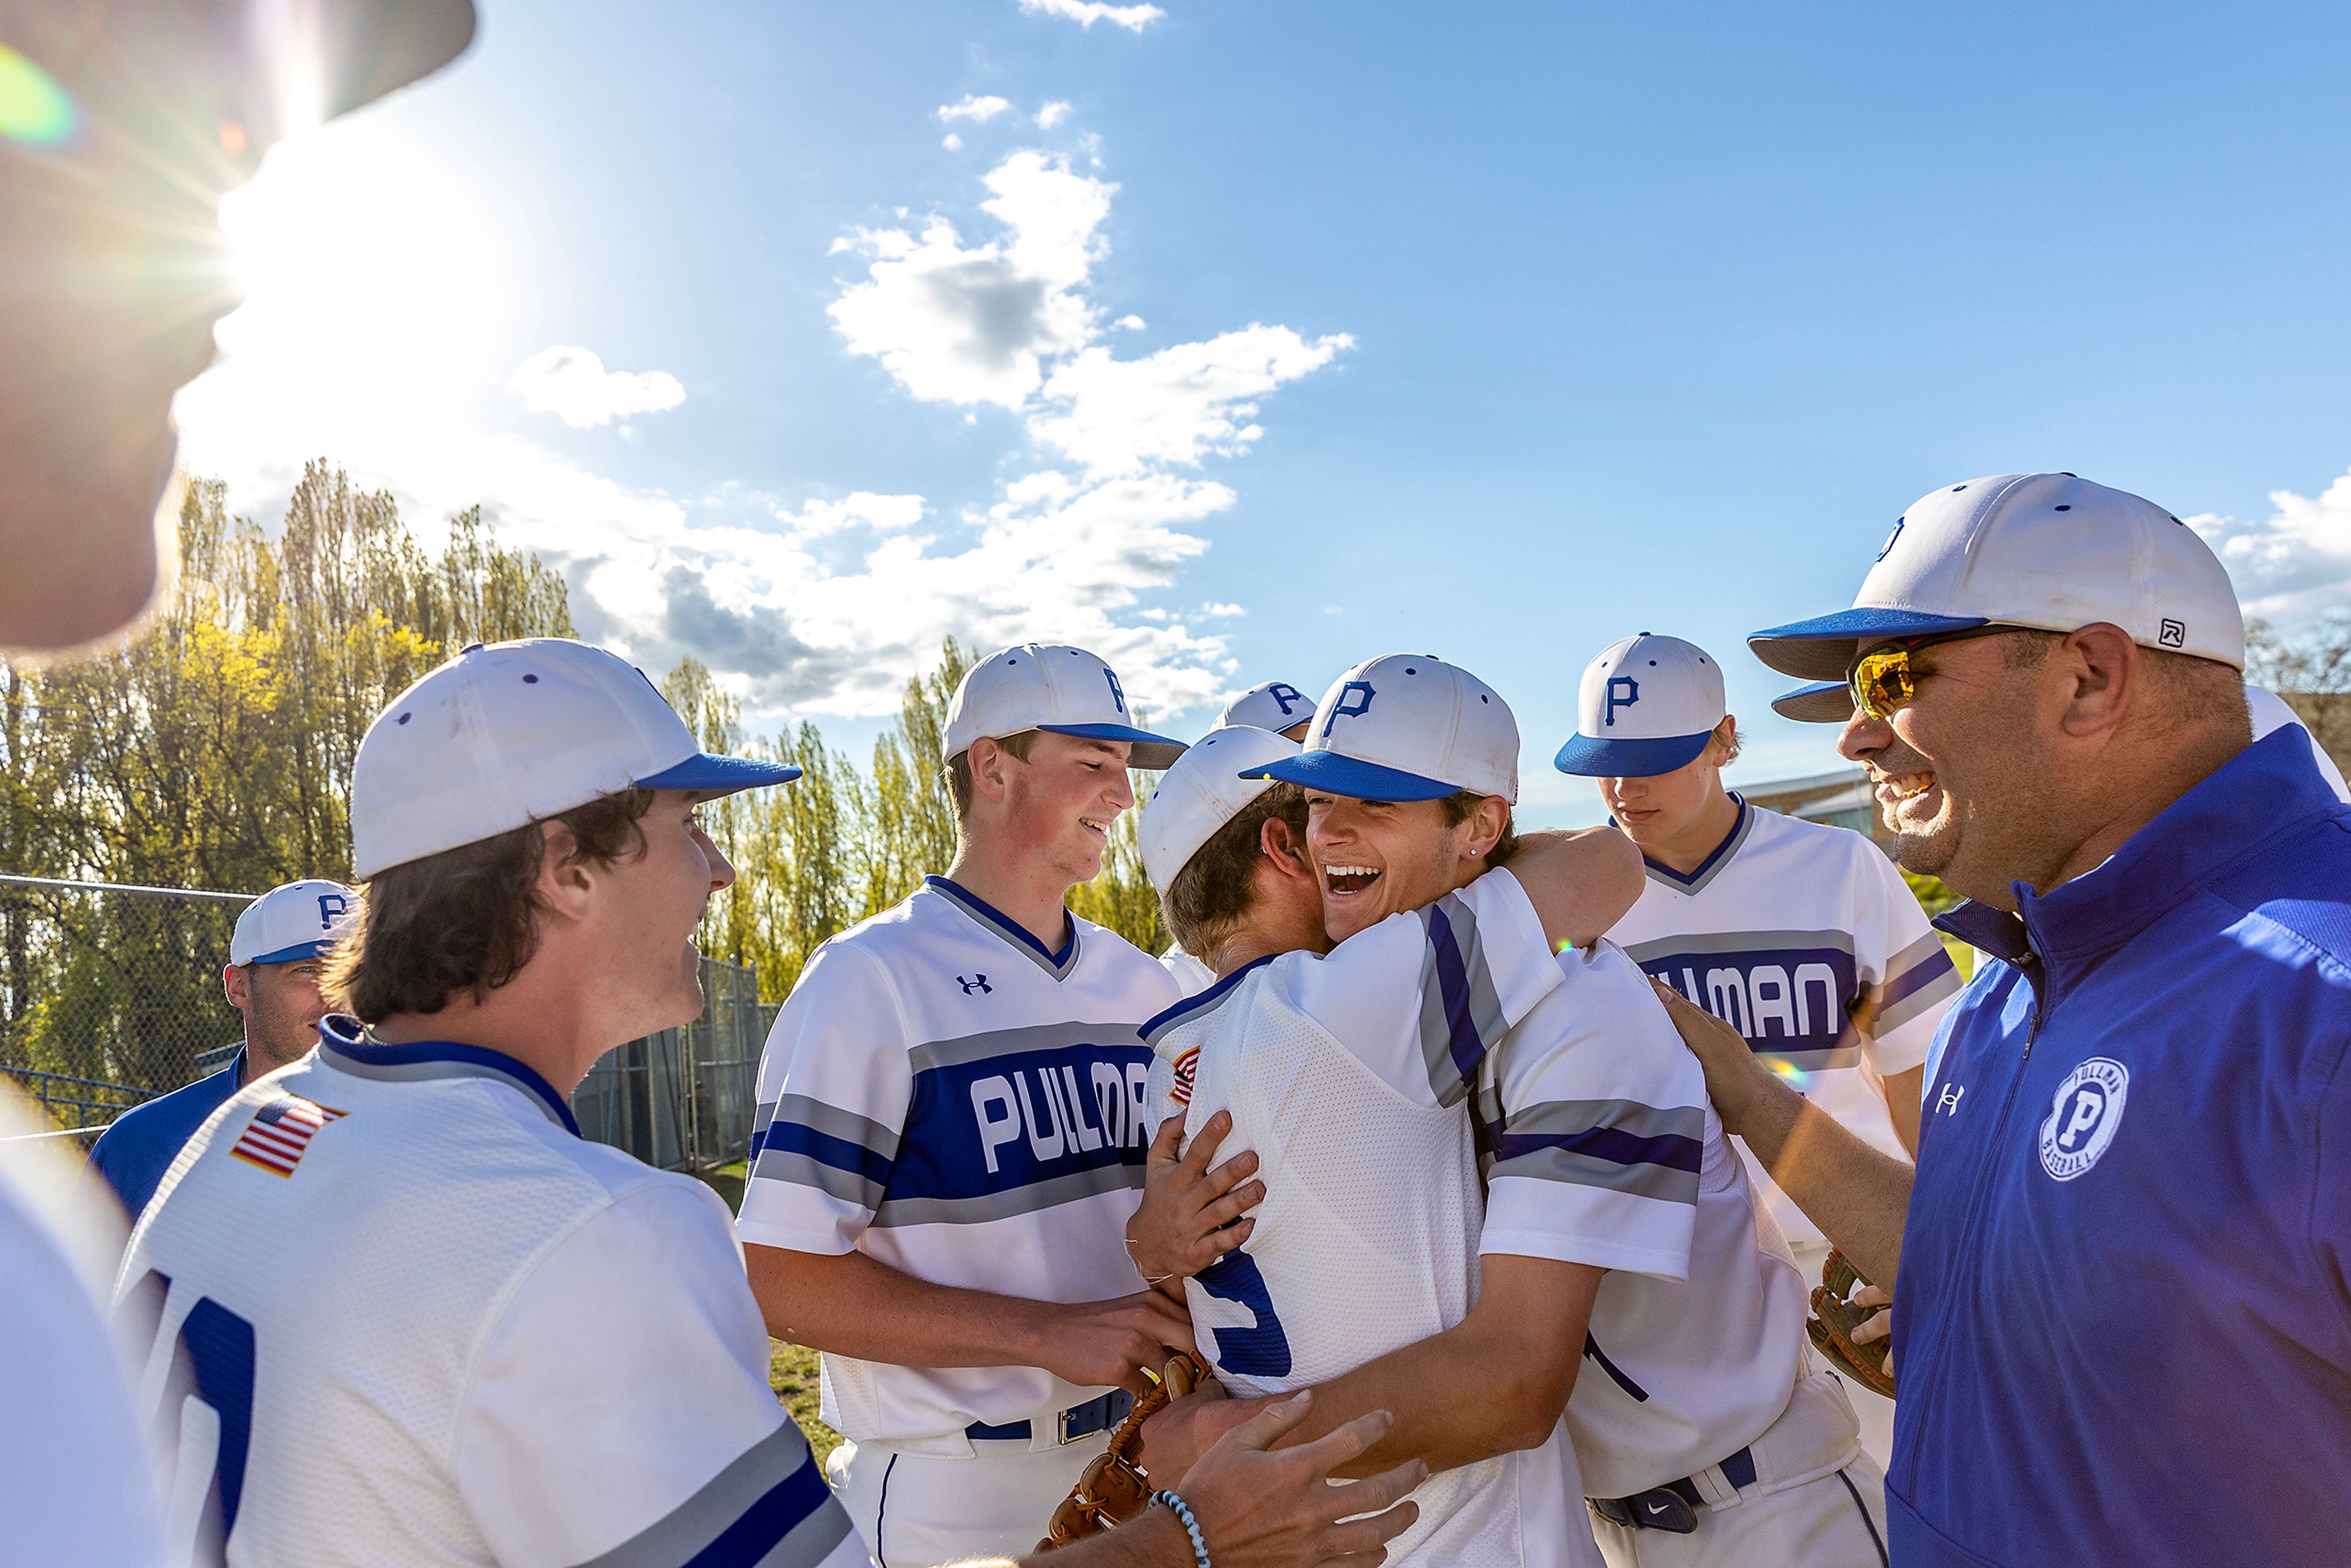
<point x="2294" y="563"/>
<point x="884" y="514"/>
<point x="1178" y="405"/>
<point x="979" y="111"/>
<point x="379" y="360"/>
<point x="976" y="325"/>
<point x="951" y="141"/>
<point x="1086" y="12"/>
<point x="1053" y="114"/>
<point x="574" y="385"/>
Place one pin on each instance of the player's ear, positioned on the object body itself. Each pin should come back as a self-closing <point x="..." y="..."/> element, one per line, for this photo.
<point x="1283" y="849"/>
<point x="566" y="877"/>
<point x="236" y="986"/>
<point x="989" y="774"/>
<point x="1483" y="828"/>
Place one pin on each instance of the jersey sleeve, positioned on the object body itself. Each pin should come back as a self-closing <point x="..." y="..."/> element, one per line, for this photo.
<point x="1421" y="998"/>
<point x="619" y="1413"/>
<point x="1906" y="976"/>
<point x="834" y="1084"/>
<point x="1601" y="1127"/>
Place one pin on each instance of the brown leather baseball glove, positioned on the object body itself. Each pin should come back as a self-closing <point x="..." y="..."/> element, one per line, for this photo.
<point x="1112" y="1489"/>
<point x="1836" y="1316"/>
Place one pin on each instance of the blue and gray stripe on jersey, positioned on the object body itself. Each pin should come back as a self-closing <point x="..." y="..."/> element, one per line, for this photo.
<point x="770" y="1508"/>
<point x="997" y="1123"/>
<point x="1620" y="1145"/>
<point x="1915" y="978"/>
<point x="1461" y="1012"/>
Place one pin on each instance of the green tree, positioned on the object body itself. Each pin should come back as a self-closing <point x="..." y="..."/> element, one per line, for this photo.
<point x="214" y="750"/>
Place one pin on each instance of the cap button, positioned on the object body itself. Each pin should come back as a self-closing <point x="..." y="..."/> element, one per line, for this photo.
<point x="469" y="648"/>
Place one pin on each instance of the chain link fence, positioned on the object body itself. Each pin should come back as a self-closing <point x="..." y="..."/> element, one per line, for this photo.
<point x="110" y="995"/>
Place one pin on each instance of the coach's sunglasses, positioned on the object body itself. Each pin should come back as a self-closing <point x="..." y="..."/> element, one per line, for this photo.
<point x="1882" y="680"/>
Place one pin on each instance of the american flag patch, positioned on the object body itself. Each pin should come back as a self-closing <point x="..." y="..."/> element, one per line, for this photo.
<point x="1185" y="1066"/>
<point x="281" y="1130"/>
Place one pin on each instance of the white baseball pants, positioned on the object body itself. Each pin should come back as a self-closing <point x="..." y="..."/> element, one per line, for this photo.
<point x="1817" y="1500"/>
<point x="915" y="1509"/>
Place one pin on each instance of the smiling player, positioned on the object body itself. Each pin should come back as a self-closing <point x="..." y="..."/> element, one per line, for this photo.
<point x="951" y="1132"/>
<point x="1383" y="1038"/>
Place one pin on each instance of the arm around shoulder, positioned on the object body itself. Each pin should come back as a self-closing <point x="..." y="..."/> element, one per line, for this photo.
<point x="1582" y="883"/>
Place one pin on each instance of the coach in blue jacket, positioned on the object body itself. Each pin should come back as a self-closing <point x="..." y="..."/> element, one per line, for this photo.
<point x="2123" y="1322"/>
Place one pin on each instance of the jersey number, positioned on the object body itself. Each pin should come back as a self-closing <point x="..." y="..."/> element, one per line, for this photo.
<point x="1259" y="1352"/>
<point x="215" y="1353"/>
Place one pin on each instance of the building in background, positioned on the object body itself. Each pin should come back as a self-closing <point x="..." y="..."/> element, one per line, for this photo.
<point x="1841" y="799"/>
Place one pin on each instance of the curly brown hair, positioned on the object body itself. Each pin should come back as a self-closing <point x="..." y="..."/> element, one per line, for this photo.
<point x="464" y="920"/>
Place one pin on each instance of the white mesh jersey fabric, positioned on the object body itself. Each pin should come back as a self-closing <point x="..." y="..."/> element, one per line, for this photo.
<point x="943" y="1096"/>
<point x="1696" y="1368"/>
<point x="455" y="1333"/>
<point x="1365" y="1242"/>
<point x="1806" y="938"/>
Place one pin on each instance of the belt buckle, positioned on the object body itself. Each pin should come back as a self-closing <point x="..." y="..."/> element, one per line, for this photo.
<point x="1082" y="1420"/>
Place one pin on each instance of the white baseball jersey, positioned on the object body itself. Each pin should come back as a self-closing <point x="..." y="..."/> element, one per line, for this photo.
<point x="408" y="1316"/>
<point x="75" y="1477"/>
<point x="1349" y="1075"/>
<point x="1805" y="937"/>
<point x="943" y="1094"/>
<point x="1191" y="977"/>
<point x="1603" y="1150"/>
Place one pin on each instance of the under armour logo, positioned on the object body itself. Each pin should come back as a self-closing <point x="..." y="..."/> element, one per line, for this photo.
<point x="1286" y="696"/>
<point x="2172" y="635"/>
<point x="978" y="983"/>
<point x="1117" y="693"/>
<point x="1339" y="709"/>
<point x="1631" y="693"/>
<point x="1948" y="1103"/>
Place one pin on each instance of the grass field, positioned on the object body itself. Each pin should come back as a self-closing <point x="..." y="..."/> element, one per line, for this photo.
<point x="792" y="1368"/>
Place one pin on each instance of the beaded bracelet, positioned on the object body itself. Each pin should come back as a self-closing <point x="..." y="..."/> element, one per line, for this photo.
<point x="1183" y="1511"/>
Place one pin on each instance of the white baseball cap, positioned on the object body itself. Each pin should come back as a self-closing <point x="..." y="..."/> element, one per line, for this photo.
<point x="1203" y="792"/>
<point x="1407" y="727"/>
<point x="1648" y="705"/>
<point x="1276" y="705"/>
<point x="2051" y="551"/>
<point x="510" y="734"/>
<point x="1051" y="687"/>
<point x="297" y="920"/>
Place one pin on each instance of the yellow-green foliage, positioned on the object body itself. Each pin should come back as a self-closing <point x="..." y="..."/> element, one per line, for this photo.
<point x="214" y="750"/>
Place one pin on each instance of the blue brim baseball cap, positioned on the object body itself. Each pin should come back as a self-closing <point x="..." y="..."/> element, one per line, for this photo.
<point x="1357" y="779"/>
<point x="1821" y="648"/>
<point x="1629" y="758"/>
<point x="710" y="775"/>
<point x="1821" y="702"/>
<point x="1153" y="753"/>
<point x="293" y="955"/>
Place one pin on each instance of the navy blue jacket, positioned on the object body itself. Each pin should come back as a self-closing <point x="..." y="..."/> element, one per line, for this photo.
<point x="2124" y="1321"/>
<point x="135" y="1151"/>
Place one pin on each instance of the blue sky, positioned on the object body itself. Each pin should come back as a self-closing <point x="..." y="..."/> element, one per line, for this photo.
<point x="1303" y="333"/>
